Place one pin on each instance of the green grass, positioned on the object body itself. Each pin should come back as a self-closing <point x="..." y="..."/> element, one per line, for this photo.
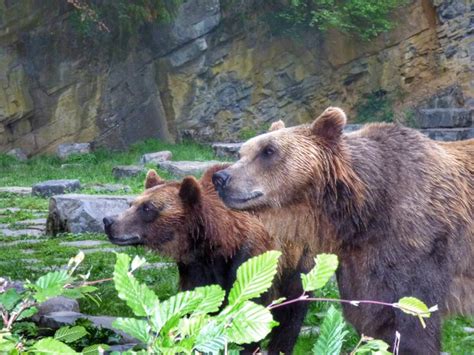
<point x="97" y="168"/>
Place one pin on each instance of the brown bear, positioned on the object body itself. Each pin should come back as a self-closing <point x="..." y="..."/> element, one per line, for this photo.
<point x="188" y="222"/>
<point x="396" y="206"/>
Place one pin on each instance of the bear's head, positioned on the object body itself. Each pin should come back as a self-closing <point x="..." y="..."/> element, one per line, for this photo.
<point x="276" y="168"/>
<point x="159" y="218"/>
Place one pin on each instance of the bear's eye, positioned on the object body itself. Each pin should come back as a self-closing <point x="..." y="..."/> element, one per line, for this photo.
<point x="149" y="212"/>
<point x="268" y="151"/>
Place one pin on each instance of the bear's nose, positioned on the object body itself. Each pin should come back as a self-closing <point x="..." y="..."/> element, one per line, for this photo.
<point x="108" y="221"/>
<point x="220" y="179"/>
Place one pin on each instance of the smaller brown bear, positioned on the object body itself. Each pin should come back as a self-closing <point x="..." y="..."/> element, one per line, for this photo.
<point x="188" y="222"/>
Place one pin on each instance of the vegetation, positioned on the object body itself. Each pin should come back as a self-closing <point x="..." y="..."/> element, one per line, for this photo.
<point x="22" y="259"/>
<point x="376" y="107"/>
<point x="184" y="323"/>
<point x="363" y="18"/>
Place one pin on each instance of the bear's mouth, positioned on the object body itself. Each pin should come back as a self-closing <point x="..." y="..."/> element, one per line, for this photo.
<point x="126" y="240"/>
<point x="239" y="200"/>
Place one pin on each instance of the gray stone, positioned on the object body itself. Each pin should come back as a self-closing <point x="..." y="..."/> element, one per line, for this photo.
<point x="58" y="319"/>
<point x="55" y="187"/>
<point x="156" y="158"/>
<point x="18" y="154"/>
<point x="449" y="134"/>
<point x="22" y="241"/>
<point x="99" y="250"/>
<point x="227" y="150"/>
<point x="82" y="243"/>
<point x="67" y="149"/>
<point x="444" y="118"/>
<point x="183" y="168"/>
<point x="469" y="330"/>
<point x="16" y="190"/>
<point x="110" y="188"/>
<point x="188" y="52"/>
<point x="32" y="222"/>
<point x="155" y="266"/>
<point x="351" y="127"/>
<point x="127" y="171"/>
<point x="6" y="284"/>
<point x="57" y="304"/>
<point x="77" y="213"/>
<point x="21" y="232"/>
<point x="193" y="19"/>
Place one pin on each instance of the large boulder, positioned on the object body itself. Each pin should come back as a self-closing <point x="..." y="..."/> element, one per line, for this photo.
<point x="55" y="187"/>
<point x="77" y="213"/>
<point x="67" y="149"/>
<point x="18" y="154"/>
<point x="183" y="168"/>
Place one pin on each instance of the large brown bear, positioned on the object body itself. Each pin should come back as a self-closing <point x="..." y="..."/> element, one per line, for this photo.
<point x="395" y="206"/>
<point x="188" y="222"/>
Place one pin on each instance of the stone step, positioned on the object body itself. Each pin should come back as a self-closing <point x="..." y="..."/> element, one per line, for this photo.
<point x="127" y="171"/>
<point x="6" y="232"/>
<point x="78" y="213"/>
<point x="55" y="187"/>
<point x="183" y="168"/>
<point x="227" y="150"/>
<point x="444" y="118"/>
<point x="16" y="190"/>
<point x="449" y="134"/>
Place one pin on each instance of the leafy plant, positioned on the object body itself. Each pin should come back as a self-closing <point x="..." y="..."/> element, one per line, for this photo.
<point x="376" y="107"/>
<point x="363" y="18"/>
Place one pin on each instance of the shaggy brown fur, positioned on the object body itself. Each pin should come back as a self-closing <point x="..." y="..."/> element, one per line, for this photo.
<point x="395" y="206"/>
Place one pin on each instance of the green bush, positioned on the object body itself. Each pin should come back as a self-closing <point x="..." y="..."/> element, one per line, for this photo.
<point x="363" y="18"/>
<point x="187" y="322"/>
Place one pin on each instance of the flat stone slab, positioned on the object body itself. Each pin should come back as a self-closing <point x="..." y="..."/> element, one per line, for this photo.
<point x="183" y="168"/>
<point x="21" y="232"/>
<point x="127" y="171"/>
<point x="16" y="242"/>
<point x="99" y="250"/>
<point x="444" y="118"/>
<point x="227" y="150"/>
<point x="32" y="222"/>
<point x="82" y="243"/>
<point x="77" y="213"/>
<point x="71" y="166"/>
<point x="449" y="134"/>
<point x="155" y="266"/>
<point x="55" y="187"/>
<point x="16" y="190"/>
<point x="67" y="149"/>
<point x="155" y="158"/>
<point x="110" y="188"/>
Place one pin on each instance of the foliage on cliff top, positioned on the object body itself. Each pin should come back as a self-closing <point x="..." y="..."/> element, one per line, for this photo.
<point x="363" y="18"/>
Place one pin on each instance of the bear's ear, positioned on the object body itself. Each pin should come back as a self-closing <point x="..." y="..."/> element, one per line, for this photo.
<point x="190" y="191"/>
<point x="153" y="179"/>
<point x="329" y="124"/>
<point x="276" y="126"/>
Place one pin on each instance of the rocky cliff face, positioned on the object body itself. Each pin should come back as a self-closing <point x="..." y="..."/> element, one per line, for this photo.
<point x="210" y="76"/>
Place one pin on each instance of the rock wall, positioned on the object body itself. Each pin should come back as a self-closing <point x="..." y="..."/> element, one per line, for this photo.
<point x="209" y="75"/>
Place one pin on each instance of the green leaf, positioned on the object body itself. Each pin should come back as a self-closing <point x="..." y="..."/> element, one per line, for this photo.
<point x="324" y="268"/>
<point x="373" y="346"/>
<point x="70" y="334"/>
<point x="212" y="298"/>
<point x="137" y="328"/>
<point x="415" y="307"/>
<point x="254" y="277"/>
<point x="332" y="334"/>
<point x="52" y="346"/>
<point x="50" y="285"/>
<point x="27" y="313"/>
<point x="96" y="349"/>
<point x="9" y="298"/>
<point x="138" y="296"/>
<point x="166" y="314"/>
<point x="211" y="338"/>
<point x="250" y="322"/>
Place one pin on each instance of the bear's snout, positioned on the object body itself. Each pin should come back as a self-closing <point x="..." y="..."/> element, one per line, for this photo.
<point x="220" y="179"/>
<point x="108" y="221"/>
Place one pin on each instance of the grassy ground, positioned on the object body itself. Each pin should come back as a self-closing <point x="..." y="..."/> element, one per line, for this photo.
<point x="27" y="260"/>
